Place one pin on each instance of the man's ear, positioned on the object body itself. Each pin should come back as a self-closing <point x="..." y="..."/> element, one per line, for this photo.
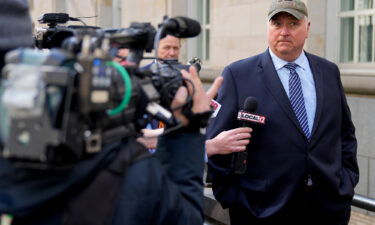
<point x="308" y="29"/>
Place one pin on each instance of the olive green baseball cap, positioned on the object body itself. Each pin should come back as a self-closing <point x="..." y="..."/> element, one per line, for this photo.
<point x="296" y="8"/>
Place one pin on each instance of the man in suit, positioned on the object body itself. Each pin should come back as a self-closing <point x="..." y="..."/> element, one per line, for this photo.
<point x="301" y="165"/>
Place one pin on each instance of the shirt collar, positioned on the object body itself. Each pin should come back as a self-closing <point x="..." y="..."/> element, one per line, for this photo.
<point x="301" y="61"/>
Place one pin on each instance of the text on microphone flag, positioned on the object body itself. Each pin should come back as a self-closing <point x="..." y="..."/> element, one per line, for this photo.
<point x="245" y="116"/>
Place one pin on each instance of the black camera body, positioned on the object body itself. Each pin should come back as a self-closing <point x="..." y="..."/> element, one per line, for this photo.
<point x="169" y="79"/>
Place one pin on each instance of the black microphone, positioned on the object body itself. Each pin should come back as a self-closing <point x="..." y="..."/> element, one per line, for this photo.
<point x="249" y="119"/>
<point x="247" y="116"/>
<point x="182" y="27"/>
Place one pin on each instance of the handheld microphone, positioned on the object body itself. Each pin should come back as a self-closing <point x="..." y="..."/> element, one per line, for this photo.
<point x="249" y="119"/>
<point x="182" y="27"/>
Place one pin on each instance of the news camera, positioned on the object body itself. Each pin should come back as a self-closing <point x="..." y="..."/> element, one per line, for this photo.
<point x="138" y="38"/>
<point x="61" y="105"/>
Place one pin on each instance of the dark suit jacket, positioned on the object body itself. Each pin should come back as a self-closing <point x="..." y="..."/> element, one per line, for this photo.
<point x="279" y="155"/>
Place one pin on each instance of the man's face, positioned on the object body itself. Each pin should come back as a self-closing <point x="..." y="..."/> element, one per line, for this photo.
<point x="169" y="47"/>
<point x="287" y="35"/>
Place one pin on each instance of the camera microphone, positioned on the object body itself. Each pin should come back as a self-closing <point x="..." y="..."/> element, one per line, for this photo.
<point x="249" y="119"/>
<point x="54" y="18"/>
<point x="182" y="27"/>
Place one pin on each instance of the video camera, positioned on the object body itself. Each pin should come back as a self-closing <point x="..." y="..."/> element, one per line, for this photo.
<point x="61" y="105"/>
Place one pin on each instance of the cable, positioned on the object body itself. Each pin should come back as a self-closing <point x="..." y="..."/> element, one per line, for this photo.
<point x="77" y="19"/>
<point x="171" y="129"/>
<point x="87" y="17"/>
<point x="166" y="131"/>
<point x="128" y="88"/>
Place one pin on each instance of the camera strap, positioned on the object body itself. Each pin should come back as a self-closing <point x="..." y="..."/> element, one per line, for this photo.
<point x="96" y="204"/>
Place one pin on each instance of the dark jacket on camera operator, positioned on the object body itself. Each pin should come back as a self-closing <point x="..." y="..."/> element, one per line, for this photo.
<point x="15" y="26"/>
<point x="165" y="188"/>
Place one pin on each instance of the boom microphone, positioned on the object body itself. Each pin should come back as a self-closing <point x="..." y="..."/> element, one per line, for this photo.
<point x="249" y="119"/>
<point x="182" y="27"/>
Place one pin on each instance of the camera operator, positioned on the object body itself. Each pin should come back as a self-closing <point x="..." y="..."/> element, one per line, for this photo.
<point x="16" y="29"/>
<point x="164" y="188"/>
<point x="169" y="49"/>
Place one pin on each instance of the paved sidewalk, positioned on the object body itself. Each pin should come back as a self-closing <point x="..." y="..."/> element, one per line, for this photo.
<point x="361" y="219"/>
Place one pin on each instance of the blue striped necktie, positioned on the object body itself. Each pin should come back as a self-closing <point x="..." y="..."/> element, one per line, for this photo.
<point x="296" y="98"/>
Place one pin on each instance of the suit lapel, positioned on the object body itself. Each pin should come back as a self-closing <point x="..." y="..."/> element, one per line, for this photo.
<point x="275" y="87"/>
<point x="318" y="78"/>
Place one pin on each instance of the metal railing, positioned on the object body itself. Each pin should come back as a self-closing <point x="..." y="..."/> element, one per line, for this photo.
<point x="216" y="215"/>
<point x="364" y="202"/>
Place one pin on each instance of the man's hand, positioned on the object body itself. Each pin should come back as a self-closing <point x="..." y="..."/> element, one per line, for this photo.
<point x="201" y="99"/>
<point x="150" y="137"/>
<point x="230" y="141"/>
<point x="212" y="92"/>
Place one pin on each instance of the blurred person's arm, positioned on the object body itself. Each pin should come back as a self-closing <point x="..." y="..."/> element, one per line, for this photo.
<point x="225" y="120"/>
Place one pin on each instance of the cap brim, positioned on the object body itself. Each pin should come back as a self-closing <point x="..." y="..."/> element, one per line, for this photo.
<point x="292" y="12"/>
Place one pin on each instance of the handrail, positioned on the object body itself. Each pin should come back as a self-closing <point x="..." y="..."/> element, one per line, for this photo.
<point x="364" y="202"/>
<point x="215" y="213"/>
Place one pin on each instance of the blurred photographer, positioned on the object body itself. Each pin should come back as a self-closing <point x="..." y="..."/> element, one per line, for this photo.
<point x="169" y="49"/>
<point x="165" y="188"/>
<point x="16" y="29"/>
